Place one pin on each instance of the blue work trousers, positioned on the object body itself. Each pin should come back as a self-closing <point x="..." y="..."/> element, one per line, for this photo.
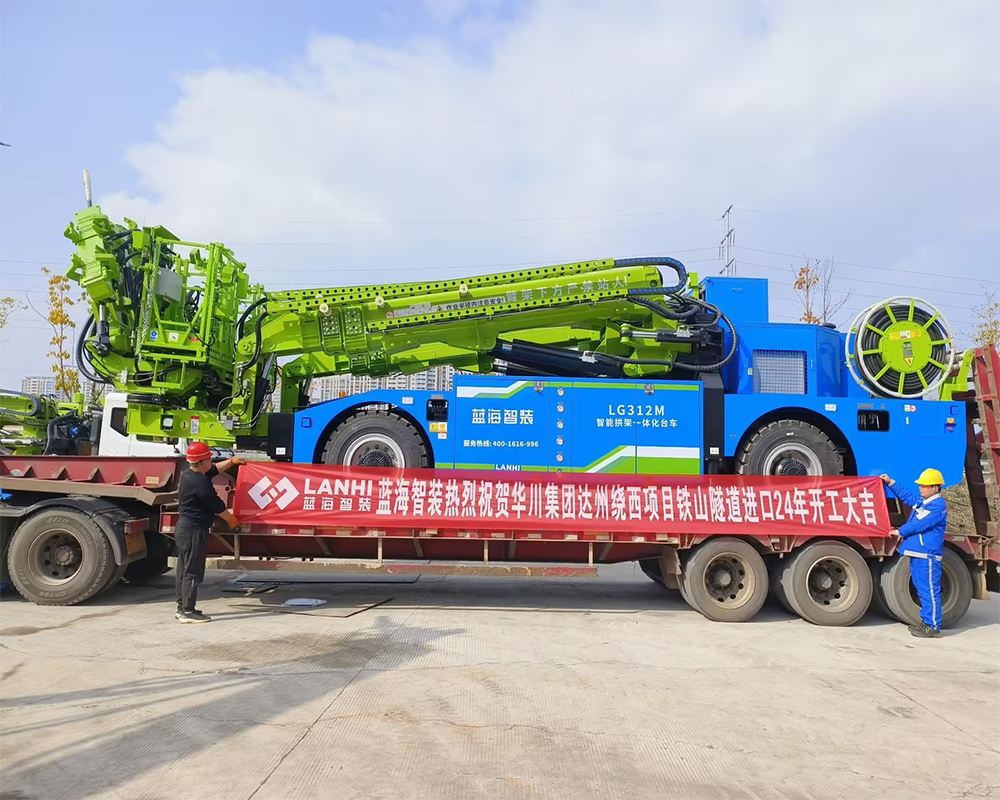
<point x="926" y="576"/>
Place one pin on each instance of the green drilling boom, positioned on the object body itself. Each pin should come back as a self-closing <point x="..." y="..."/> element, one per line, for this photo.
<point x="180" y="328"/>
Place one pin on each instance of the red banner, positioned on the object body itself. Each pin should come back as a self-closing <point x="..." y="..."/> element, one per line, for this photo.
<point x="300" y="495"/>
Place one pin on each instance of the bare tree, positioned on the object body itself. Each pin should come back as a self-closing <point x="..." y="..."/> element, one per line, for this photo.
<point x="986" y="317"/>
<point x="8" y="306"/>
<point x="813" y="286"/>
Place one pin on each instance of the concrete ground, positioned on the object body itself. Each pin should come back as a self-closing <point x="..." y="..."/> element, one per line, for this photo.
<point x="486" y="688"/>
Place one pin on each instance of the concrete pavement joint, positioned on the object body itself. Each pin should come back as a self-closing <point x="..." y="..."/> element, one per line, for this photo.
<point x="560" y="730"/>
<point x="246" y="670"/>
<point x="303" y="735"/>
<point x="564" y="702"/>
<point x="935" y="714"/>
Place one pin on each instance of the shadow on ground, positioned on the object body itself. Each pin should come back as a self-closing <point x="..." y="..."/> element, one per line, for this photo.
<point x="105" y="754"/>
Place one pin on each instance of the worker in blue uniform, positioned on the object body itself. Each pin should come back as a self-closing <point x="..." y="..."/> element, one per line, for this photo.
<point x="923" y="541"/>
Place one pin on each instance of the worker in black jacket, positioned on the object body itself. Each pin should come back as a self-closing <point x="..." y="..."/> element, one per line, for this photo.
<point x="199" y="506"/>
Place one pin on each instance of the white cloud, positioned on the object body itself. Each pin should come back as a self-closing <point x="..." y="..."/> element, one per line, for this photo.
<point x="583" y="110"/>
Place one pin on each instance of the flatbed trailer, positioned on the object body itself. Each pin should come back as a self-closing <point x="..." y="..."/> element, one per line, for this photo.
<point x="74" y="526"/>
<point x="78" y="525"/>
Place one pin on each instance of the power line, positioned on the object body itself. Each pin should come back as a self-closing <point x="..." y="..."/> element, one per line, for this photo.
<point x="876" y="283"/>
<point x="448" y="241"/>
<point x="761" y="211"/>
<point x="439" y="266"/>
<point x="527" y="263"/>
<point x="684" y="214"/>
<point x="870" y="266"/>
<point x="856" y="309"/>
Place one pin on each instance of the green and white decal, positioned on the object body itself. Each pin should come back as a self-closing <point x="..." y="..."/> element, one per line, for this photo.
<point x="648" y="460"/>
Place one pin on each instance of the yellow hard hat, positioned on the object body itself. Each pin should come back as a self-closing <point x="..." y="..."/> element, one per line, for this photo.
<point x="930" y="477"/>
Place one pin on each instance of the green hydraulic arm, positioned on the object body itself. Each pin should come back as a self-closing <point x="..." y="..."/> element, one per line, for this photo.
<point x="178" y="326"/>
<point x="34" y="424"/>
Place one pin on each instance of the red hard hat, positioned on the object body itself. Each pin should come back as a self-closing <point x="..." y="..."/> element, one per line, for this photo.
<point x="198" y="451"/>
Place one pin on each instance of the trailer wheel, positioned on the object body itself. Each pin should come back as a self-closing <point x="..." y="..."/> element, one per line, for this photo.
<point x="651" y="569"/>
<point x="114" y="578"/>
<point x="878" y="593"/>
<point x="775" y="573"/>
<point x="789" y="447"/>
<point x="59" y="557"/>
<point x="901" y="597"/>
<point x="725" y="579"/>
<point x="376" y="438"/>
<point x="154" y="563"/>
<point x="828" y="583"/>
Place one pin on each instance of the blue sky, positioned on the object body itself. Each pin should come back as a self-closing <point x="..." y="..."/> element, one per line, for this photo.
<point x="335" y="143"/>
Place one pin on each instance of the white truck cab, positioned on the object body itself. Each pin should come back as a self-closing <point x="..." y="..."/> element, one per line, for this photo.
<point x="114" y="440"/>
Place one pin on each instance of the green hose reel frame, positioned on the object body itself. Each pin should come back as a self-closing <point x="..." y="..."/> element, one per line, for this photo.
<point x="900" y="347"/>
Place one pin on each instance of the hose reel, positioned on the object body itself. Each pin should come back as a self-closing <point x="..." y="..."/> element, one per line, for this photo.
<point x="900" y="347"/>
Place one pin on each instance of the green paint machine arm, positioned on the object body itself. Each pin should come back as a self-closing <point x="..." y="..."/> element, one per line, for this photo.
<point x="178" y="326"/>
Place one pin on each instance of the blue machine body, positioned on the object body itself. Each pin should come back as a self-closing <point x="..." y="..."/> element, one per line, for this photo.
<point x="780" y="371"/>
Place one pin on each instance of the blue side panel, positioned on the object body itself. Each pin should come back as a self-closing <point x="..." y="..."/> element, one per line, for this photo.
<point x="741" y="299"/>
<point x="744" y="301"/>
<point x="505" y="423"/>
<point x="921" y="434"/>
<point x="600" y="433"/>
<point x="312" y="423"/>
<point x="621" y="427"/>
<point x="585" y="425"/>
<point x="502" y="423"/>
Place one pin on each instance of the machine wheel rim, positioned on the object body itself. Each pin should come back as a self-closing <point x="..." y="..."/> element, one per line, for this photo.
<point x="729" y="580"/>
<point x="793" y="458"/>
<point x="55" y="557"/>
<point x="832" y="583"/>
<point x="374" y="450"/>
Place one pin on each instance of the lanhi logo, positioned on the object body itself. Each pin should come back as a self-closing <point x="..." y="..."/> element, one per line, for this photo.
<point x="282" y="493"/>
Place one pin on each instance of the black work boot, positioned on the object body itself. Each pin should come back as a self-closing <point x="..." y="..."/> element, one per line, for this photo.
<point x="924" y="631"/>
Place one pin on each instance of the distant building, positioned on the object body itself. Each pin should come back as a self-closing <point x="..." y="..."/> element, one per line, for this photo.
<point x="39" y="384"/>
<point x="90" y="389"/>
<point x="437" y="379"/>
<point x="46" y="385"/>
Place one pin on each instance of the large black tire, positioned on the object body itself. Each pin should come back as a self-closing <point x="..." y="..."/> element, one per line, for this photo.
<point x="901" y="597"/>
<point x="154" y="563"/>
<point x="376" y="438"/>
<point x="878" y="593"/>
<point x="775" y="571"/>
<point x="725" y="579"/>
<point x="789" y="447"/>
<point x="60" y="557"/>
<point x="828" y="583"/>
<point x="114" y="578"/>
<point x="651" y="569"/>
